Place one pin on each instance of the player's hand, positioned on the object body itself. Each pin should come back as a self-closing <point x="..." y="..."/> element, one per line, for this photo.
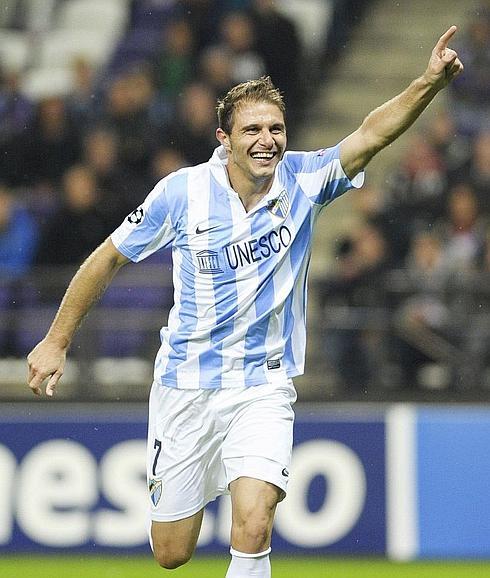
<point x="444" y="64"/>
<point x="45" y="361"/>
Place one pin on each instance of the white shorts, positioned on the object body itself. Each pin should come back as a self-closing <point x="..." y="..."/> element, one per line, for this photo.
<point x="199" y="441"/>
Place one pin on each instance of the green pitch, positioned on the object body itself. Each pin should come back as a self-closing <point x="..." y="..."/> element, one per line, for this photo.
<point x="121" y="567"/>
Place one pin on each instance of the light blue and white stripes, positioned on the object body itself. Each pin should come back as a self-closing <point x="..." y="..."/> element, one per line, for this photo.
<point x="239" y="278"/>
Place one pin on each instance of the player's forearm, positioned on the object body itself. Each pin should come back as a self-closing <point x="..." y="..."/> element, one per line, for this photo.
<point x="387" y="122"/>
<point x="86" y="287"/>
<point x="382" y="126"/>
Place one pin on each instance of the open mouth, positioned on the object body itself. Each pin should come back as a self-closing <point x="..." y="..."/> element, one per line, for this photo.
<point x="263" y="156"/>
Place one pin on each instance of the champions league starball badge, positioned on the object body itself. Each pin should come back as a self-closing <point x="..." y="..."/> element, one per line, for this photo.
<point x="136" y="216"/>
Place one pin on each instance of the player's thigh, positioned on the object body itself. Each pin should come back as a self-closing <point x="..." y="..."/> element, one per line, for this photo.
<point x="254" y="504"/>
<point x="184" y="458"/>
<point x="174" y="542"/>
<point x="259" y="440"/>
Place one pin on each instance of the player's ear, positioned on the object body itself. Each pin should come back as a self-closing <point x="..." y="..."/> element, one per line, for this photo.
<point x="223" y="138"/>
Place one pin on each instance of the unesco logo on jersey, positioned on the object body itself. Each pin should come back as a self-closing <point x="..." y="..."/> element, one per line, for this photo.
<point x="255" y="250"/>
<point x="208" y="262"/>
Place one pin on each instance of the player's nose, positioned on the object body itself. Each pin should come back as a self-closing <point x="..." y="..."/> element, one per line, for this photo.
<point x="266" y="138"/>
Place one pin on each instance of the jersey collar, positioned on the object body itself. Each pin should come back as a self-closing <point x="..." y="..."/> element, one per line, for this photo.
<point x="218" y="163"/>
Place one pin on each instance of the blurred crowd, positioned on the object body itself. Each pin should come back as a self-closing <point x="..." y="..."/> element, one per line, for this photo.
<point x="421" y="252"/>
<point x="73" y="166"/>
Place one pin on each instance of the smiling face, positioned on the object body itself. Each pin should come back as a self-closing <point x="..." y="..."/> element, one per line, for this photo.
<point x="255" y="145"/>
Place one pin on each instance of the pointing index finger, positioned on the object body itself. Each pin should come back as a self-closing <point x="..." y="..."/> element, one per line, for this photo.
<point x="445" y="38"/>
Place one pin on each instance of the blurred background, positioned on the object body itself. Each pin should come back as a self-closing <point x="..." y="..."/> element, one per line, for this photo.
<point x="101" y="99"/>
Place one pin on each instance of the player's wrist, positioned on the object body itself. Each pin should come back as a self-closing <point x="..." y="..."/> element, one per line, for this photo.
<point x="58" y="339"/>
<point x="430" y="82"/>
<point x="433" y="81"/>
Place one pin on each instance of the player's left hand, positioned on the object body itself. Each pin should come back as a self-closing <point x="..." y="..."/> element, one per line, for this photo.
<point x="46" y="361"/>
<point x="444" y="64"/>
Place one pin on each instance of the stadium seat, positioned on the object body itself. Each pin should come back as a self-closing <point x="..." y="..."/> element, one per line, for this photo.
<point x="131" y="313"/>
<point x="120" y="372"/>
<point x="110" y="16"/>
<point x="60" y="47"/>
<point x="29" y="15"/>
<point x="39" y="83"/>
<point x="32" y="319"/>
<point x="313" y="19"/>
<point x="37" y="16"/>
<point x="31" y="327"/>
<point x="18" y="330"/>
<point x="14" y="50"/>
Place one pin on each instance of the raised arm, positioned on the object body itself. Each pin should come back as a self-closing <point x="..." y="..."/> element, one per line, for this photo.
<point x="47" y="359"/>
<point x="386" y="123"/>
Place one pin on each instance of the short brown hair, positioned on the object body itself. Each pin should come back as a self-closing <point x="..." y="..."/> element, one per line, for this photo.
<point x="259" y="90"/>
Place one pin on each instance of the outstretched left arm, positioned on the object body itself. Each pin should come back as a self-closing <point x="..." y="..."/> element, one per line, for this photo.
<point x="386" y="123"/>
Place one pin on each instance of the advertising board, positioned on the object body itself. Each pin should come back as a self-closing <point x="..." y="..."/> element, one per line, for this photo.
<point x="73" y="479"/>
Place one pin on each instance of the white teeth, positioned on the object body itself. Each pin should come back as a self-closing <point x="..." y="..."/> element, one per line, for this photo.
<point x="262" y="155"/>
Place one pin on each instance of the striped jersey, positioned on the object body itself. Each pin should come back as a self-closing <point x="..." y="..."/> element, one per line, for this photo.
<point x="239" y="277"/>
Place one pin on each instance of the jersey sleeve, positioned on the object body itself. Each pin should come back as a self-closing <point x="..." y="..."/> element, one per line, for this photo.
<point x="320" y="174"/>
<point x="147" y="229"/>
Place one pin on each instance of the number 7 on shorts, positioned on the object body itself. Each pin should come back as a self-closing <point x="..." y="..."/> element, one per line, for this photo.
<point x="157" y="446"/>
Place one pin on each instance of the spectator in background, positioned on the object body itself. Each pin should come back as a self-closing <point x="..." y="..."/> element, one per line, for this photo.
<point x="372" y="207"/>
<point x="18" y="236"/>
<point x="16" y="112"/>
<point x="478" y="171"/>
<point x="463" y="232"/>
<point x="470" y="94"/>
<point x="345" y="15"/>
<point x="174" y="65"/>
<point x="83" y="102"/>
<point x="216" y="69"/>
<point x="48" y="147"/>
<point x="418" y="185"/>
<point x="477" y="346"/>
<point x="120" y="189"/>
<point x="351" y="346"/>
<point x="192" y="133"/>
<point x="15" y="109"/>
<point x="79" y="225"/>
<point x="238" y="35"/>
<point x="166" y="160"/>
<point x="203" y="16"/>
<point x="425" y="263"/>
<point x="18" y="243"/>
<point x="128" y="104"/>
<point x="279" y="45"/>
<point x="422" y="317"/>
<point x="453" y="149"/>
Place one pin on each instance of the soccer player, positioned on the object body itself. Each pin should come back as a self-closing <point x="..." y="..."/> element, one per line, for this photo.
<point x="240" y="226"/>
